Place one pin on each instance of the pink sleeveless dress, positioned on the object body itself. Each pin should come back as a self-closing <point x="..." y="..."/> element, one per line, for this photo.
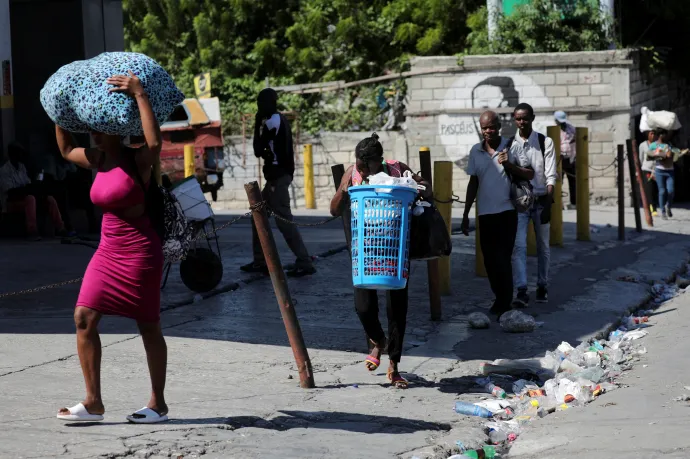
<point x="124" y="275"/>
<point x="392" y="168"/>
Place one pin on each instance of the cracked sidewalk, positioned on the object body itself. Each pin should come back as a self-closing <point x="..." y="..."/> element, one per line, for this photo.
<point x="232" y="383"/>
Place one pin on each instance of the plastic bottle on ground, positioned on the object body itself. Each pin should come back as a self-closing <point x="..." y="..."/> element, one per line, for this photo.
<point x="470" y="409"/>
<point x="487" y="452"/>
<point x="491" y="388"/>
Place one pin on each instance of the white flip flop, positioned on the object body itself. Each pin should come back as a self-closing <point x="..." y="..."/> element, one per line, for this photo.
<point x="78" y="413"/>
<point x="146" y="416"/>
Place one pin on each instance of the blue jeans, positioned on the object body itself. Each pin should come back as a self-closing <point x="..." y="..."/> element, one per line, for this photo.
<point x="665" y="180"/>
<point x="519" y="259"/>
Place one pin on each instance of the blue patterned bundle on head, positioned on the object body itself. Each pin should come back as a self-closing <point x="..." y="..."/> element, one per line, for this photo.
<point x="78" y="99"/>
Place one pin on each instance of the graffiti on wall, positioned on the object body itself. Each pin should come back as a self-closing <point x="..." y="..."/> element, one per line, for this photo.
<point x="480" y="91"/>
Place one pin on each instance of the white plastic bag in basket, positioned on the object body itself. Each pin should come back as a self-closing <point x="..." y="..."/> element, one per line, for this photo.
<point x="384" y="179"/>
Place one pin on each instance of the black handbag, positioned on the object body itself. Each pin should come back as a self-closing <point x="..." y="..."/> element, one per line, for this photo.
<point x="429" y="236"/>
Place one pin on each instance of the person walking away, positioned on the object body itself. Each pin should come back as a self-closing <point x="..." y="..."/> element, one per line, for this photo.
<point x="273" y="143"/>
<point x="123" y="277"/>
<point x="568" y="152"/>
<point x="661" y="152"/>
<point x="369" y="155"/>
<point x="536" y="150"/>
<point x="490" y="166"/>
<point x="650" y="186"/>
<point x="18" y="194"/>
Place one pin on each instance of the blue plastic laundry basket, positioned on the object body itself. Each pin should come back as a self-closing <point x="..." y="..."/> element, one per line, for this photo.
<point x="380" y="235"/>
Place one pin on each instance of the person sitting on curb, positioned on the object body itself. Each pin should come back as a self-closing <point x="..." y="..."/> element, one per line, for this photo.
<point x="273" y="143"/>
<point x="490" y="166"/>
<point x="369" y="154"/>
<point x="17" y="194"/>
<point x="538" y="151"/>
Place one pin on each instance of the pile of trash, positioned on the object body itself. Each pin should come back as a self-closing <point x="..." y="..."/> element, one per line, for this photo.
<point x="567" y="377"/>
<point x="524" y="390"/>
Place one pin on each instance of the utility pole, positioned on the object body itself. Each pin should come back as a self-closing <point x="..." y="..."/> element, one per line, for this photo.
<point x="493" y="8"/>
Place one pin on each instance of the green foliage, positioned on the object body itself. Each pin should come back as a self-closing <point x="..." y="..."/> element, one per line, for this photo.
<point x="655" y="29"/>
<point x="242" y="42"/>
<point x="542" y="26"/>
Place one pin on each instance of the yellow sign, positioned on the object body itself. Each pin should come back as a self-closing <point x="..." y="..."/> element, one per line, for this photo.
<point x="202" y="85"/>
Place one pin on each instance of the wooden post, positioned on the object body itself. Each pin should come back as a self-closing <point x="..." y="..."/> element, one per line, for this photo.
<point x="556" y="229"/>
<point x="189" y="168"/>
<point x="443" y="191"/>
<point x="621" y="193"/>
<point x="280" y="287"/>
<point x="582" y="178"/>
<point x="633" y="187"/>
<point x="431" y="265"/>
<point x="479" y="268"/>
<point x="309" y="198"/>
<point x="632" y="146"/>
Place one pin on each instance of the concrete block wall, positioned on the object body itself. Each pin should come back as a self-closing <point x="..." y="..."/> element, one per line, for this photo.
<point x="328" y="150"/>
<point x="593" y="88"/>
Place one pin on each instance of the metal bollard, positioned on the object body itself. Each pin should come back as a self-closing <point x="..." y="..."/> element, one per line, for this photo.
<point x="275" y="269"/>
<point x="621" y="192"/>
<point x="431" y="265"/>
<point x="189" y="168"/>
<point x="582" y="178"/>
<point x="556" y="230"/>
<point x="309" y="198"/>
<point x="443" y="191"/>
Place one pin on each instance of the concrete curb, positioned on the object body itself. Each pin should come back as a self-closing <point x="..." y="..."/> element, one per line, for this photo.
<point x="644" y="302"/>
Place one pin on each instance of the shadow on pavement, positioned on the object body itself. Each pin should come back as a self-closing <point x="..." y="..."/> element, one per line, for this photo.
<point x="325" y="307"/>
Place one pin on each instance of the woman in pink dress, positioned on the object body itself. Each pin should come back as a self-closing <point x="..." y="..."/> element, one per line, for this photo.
<point x="123" y="277"/>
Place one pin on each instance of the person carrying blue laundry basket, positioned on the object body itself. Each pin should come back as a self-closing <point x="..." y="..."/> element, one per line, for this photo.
<point x="370" y="161"/>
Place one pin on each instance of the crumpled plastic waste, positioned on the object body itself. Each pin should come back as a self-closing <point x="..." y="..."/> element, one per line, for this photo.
<point x="384" y="179"/>
<point x="494" y="405"/>
<point x="592" y="359"/>
<point x="479" y="320"/>
<point x="634" y="334"/>
<point x="502" y="431"/>
<point x="631" y="322"/>
<point x="565" y="347"/>
<point x="517" y="322"/>
<point x="522" y="385"/>
<point x="517" y="367"/>
<point x="419" y="206"/>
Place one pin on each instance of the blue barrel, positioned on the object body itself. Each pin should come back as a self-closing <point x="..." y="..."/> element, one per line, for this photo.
<point x="380" y="235"/>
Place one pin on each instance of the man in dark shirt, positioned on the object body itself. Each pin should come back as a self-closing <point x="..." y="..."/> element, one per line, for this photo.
<point x="273" y="143"/>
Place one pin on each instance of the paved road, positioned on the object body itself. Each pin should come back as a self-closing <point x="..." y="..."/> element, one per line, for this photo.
<point x="232" y="383"/>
